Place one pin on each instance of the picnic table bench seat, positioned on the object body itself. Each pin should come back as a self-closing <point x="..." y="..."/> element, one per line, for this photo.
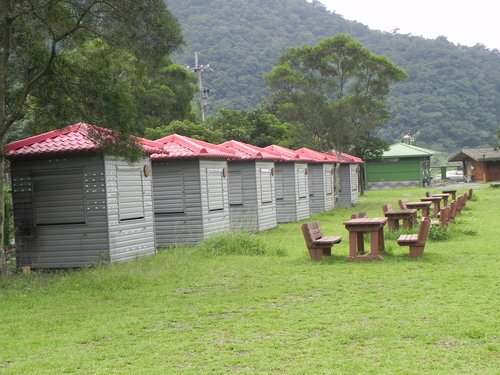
<point x="416" y="242"/>
<point x="318" y="245"/>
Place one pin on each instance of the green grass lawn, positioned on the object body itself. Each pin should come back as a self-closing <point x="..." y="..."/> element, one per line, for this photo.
<point x="197" y="311"/>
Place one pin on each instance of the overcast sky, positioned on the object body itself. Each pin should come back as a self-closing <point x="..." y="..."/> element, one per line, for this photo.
<point x="462" y="22"/>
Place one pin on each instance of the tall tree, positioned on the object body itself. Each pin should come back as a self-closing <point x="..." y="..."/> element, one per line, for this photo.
<point x="337" y="90"/>
<point x="37" y="35"/>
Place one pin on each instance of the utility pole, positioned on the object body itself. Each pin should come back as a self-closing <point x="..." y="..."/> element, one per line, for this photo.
<point x="202" y="95"/>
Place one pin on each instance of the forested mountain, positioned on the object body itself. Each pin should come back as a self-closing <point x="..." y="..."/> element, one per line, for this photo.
<point x="451" y="99"/>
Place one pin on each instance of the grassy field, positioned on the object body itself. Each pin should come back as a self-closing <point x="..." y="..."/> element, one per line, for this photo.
<point x="199" y="310"/>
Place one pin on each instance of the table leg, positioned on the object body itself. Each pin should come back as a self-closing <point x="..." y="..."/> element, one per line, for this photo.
<point x="407" y="223"/>
<point x="437" y="207"/>
<point x="445" y="201"/>
<point x="361" y="242"/>
<point x="381" y="242"/>
<point x="353" y="245"/>
<point x="425" y="212"/>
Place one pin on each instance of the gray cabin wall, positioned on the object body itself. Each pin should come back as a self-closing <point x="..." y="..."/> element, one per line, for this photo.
<point x="329" y="185"/>
<point x="214" y="197"/>
<point x="348" y="193"/>
<point x="242" y="189"/>
<point x="354" y="183"/>
<point x="59" y="207"/>
<point x="292" y="196"/>
<point x="321" y="197"/>
<point x="130" y="209"/>
<point x="301" y="179"/>
<point x="177" y="202"/>
<point x="266" y="198"/>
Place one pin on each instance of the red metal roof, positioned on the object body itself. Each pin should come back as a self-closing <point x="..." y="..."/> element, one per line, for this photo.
<point x="80" y="137"/>
<point x="317" y="156"/>
<point x="246" y="151"/>
<point x="179" y="146"/>
<point x="346" y="158"/>
<point x="288" y="154"/>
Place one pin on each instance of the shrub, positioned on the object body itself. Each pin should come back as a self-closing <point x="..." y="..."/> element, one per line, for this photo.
<point x="439" y="233"/>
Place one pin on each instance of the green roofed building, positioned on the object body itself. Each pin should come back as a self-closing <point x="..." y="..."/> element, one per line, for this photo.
<point x="403" y="165"/>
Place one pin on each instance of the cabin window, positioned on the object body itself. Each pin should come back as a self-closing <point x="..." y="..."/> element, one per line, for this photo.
<point x="130" y="194"/>
<point x="215" y="189"/>
<point x="235" y="182"/>
<point x="59" y="198"/>
<point x="169" y="193"/>
<point x="266" y="185"/>
<point x="302" y="182"/>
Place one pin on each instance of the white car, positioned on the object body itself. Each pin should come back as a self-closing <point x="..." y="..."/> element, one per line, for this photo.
<point x="455" y="175"/>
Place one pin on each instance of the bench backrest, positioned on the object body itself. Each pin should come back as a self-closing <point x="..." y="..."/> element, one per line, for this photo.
<point x="453" y="210"/>
<point x="358" y="215"/>
<point x="425" y="227"/>
<point x="402" y="203"/>
<point x="444" y="215"/>
<point x="312" y="231"/>
<point x="470" y="194"/>
<point x="387" y="207"/>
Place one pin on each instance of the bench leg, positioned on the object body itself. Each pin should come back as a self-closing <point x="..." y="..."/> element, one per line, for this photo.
<point x="316" y="253"/>
<point x="416" y="251"/>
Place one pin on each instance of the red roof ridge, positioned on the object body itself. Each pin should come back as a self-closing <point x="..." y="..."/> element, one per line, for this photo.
<point x="287" y="154"/>
<point x="252" y="151"/>
<point x="317" y="155"/>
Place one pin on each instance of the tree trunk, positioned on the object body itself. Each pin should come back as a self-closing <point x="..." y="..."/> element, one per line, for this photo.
<point x="3" y="258"/>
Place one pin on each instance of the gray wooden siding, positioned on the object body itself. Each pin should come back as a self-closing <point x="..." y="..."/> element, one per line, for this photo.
<point x="348" y="193"/>
<point x="354" y="184"/>
<point x="243" y="205"/>
<point x="53" y="242"/>
<point x="294" y="204"/>
<point x="329" y="176"/>
<point x="301" y="176"/>
<point x="253" y="207"/>
<point x="214" y="197"/>
<point x="321" y="197"/>
<point x="130" y="209"/>
<point x="175" y="225"/>
<point x="265" y="195"/>
<point x="317" y="193"/>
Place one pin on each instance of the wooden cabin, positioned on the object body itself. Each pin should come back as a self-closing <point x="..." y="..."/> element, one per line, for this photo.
<point x="190" y="191"/>
<point x="74" y="206"/>
<point x="348" y="181"/>
<point x="321" y="177"/>
<point x="291" y="185"/>
<point x="252" y="200"/>
<point x="479" y="164"/>
<point x="403" y="165"/>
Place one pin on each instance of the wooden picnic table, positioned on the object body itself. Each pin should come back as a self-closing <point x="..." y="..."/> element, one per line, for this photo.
<point x="424" y="206"/>
<point x="452" y="192"/>
<point x="393" y="217"/>
<point x="445" y="197"/>
<point x="436" y="201"/>
<point x="356" y="229"/>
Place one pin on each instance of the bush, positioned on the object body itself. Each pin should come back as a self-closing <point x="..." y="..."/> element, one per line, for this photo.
<point x="439" y="233"/>
<point x="238" y="243"/>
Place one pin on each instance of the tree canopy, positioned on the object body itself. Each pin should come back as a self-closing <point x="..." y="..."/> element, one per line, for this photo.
<point x="337" y="90"/>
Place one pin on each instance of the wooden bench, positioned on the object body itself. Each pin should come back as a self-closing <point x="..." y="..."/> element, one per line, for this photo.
<point x="416" y="242"/>
<point x="318" y="245"/>
<point x="444" y="217"/>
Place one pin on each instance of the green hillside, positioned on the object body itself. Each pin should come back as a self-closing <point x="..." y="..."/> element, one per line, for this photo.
<point x="450" y="100"/>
